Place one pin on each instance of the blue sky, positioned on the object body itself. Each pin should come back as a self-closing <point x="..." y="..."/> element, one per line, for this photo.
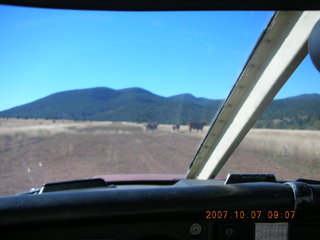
<point x="46" y="51"/>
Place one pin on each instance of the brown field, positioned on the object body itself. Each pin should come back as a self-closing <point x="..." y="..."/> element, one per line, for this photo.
<point x="33" y="152"/>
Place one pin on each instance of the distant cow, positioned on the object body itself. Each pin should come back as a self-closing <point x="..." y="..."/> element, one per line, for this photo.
<point x="196" y="125"/>
<point x="176" y="127"/>
<point x="151" y="126"/>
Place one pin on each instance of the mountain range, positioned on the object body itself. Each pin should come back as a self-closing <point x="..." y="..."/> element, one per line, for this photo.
<point x="139" y="105"/>
<point x="298" y="112"/>
<point x="106" y="104"/>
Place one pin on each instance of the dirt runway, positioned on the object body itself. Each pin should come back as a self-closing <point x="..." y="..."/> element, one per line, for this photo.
<point x="35" y="152"/>
<point x="31" y="156"/>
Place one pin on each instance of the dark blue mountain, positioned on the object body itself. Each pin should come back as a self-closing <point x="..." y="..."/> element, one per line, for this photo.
<point x="105" y="104"/>
<point x="139" y="105"/>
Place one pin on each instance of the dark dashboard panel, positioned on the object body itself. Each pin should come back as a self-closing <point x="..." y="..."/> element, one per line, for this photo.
<point x="125" y="229"/>
<point x="186" y="210"/>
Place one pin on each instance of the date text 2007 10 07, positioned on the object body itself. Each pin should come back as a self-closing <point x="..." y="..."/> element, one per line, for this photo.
<point x="240" y="214"/>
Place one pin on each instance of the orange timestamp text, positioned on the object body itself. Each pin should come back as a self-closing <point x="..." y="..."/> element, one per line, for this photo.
<point x="250" y="215"/>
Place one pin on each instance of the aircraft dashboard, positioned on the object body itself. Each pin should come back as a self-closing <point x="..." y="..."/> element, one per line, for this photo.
<point x="182" y="209"/>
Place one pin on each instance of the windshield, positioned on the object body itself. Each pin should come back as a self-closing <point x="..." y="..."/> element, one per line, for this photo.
<point x="91" y="93"/>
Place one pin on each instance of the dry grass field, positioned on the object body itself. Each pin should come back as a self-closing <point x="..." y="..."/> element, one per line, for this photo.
<point x="33" y="152"/>
<point x="289" y="154"/>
